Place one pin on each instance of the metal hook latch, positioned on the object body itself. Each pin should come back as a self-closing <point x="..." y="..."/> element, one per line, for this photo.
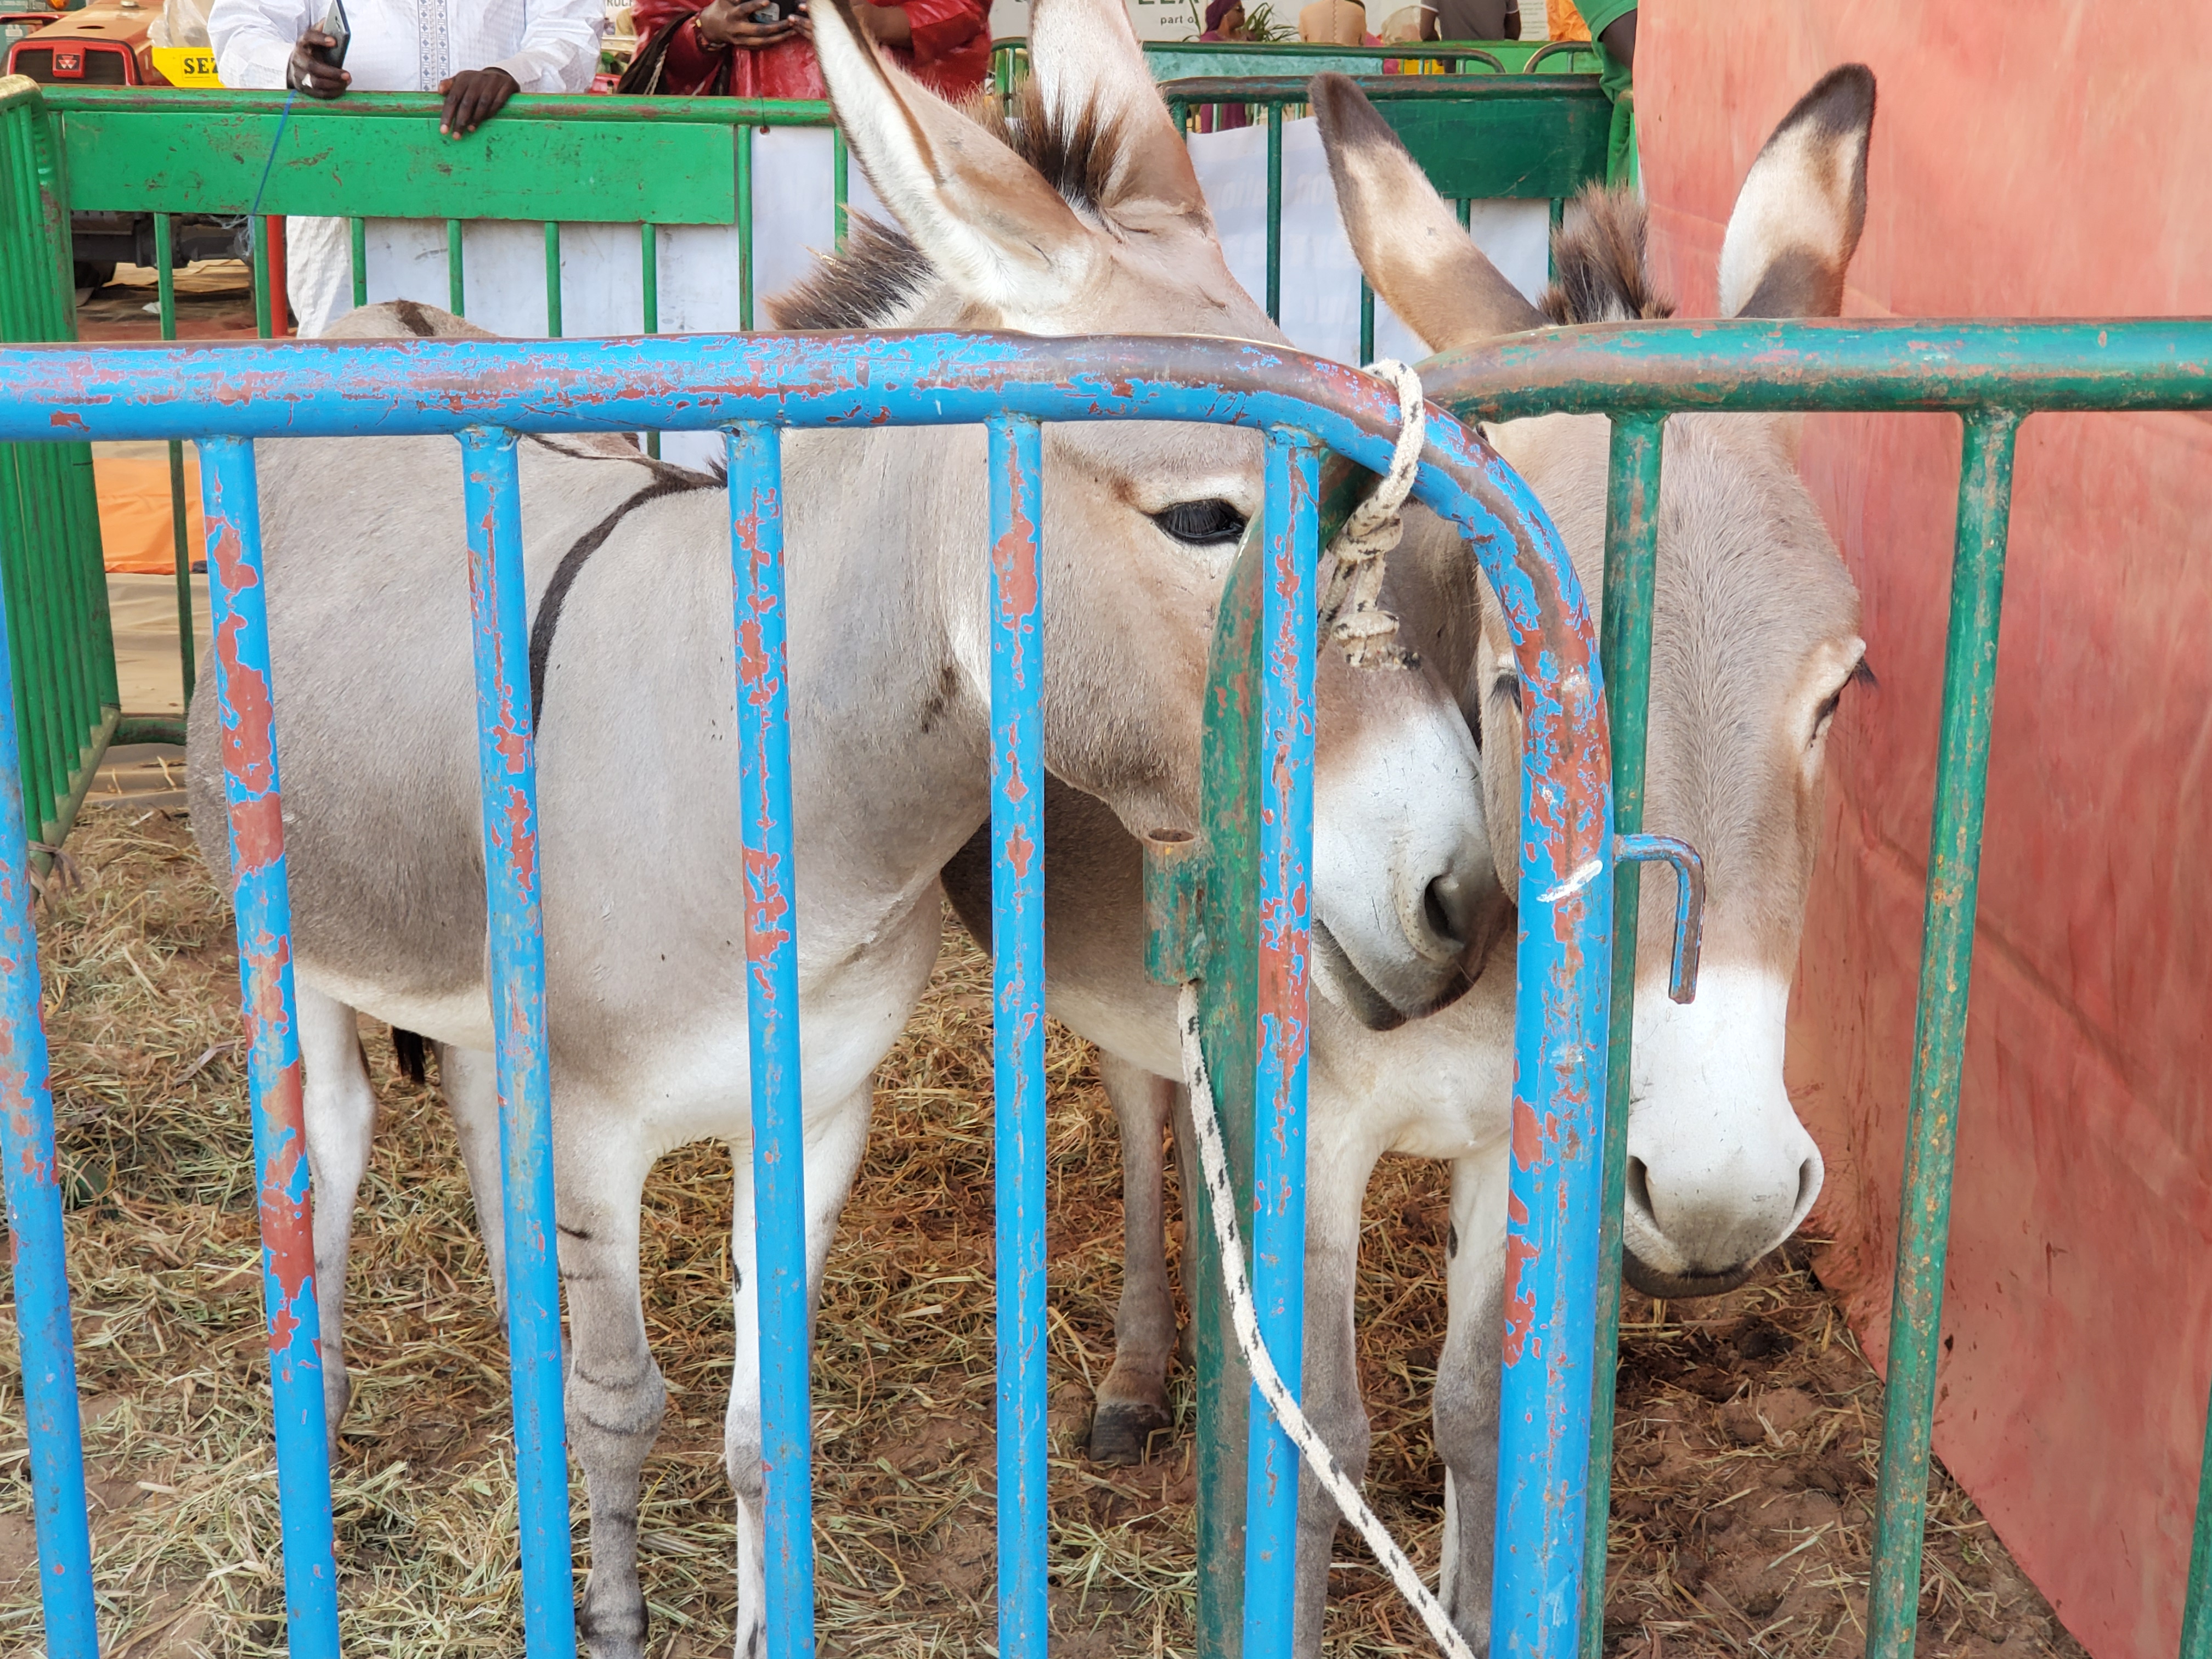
<point x="1689" y="903"/>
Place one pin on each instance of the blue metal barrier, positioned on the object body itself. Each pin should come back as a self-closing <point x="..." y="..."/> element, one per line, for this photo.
<point x="483" y="393"/>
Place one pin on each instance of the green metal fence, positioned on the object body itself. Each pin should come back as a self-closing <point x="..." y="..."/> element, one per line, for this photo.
<point x="1478" y="137"/>
<point x="654" y="162"/>
<point x="1993" y="375"/>
<point x="64" y="655"/>
<point x="1177" y="60"/>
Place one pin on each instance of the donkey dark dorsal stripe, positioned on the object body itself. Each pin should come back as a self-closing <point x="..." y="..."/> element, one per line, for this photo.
<point x="669" y="481"/>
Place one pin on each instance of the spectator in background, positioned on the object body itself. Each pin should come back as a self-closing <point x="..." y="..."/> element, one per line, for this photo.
<point x="1335" y="23"/>
<point x="1224" y="22"/>
<point x="752" y="48"/>
<point x="1479" y="19"/>
<point x="479" y="53"/>
<point x="1611" y="23"/>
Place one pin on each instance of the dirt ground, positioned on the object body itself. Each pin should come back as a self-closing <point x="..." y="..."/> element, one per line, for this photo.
<point x="1748" y="1426"/>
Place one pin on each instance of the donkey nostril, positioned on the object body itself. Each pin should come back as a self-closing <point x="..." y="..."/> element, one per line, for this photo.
<point x="1809" y="1183"/>
<point x="1448" y="908"/>
<point x="1639" y="1187"/>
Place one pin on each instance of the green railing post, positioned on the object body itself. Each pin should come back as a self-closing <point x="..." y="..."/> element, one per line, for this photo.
<point x="648" y="238"/>
<point x="553" y="278"/>
<point x="839" y="160"/>
<point x="1366" y="321"/>
<point x="1631" y="560"/>
<point x="2197" y="1608"/>
<point x="258" y="230"/>
<point x="1275" y="212"/>
<point x="744" y="141"/>
<point x="457" y="276"/>
<point x="1939" y="1042"/>
<point x="357" y="241"/>
<point x="165" y="278"/>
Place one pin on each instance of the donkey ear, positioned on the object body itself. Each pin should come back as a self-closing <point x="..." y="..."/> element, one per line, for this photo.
<point x="1797" y="219"/>
<point x="1090" y="80"/>
<point x="996" y="230"/>
<point x="1406" y="240"/>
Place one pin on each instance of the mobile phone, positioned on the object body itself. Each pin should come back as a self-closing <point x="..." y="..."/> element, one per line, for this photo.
<point x="778" y="11"/>
<point x="334" y="25"/>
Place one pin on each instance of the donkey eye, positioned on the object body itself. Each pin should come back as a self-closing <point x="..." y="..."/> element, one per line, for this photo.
<point x="1202" y="524"/>
<point x="1507" y="685"/>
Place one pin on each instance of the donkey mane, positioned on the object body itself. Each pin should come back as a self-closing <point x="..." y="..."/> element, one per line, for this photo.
<point x="879" y="272"/>
<point x="1599" y="253"/>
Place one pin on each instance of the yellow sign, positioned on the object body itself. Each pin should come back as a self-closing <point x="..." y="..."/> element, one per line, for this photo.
<point x="186" y="66"/>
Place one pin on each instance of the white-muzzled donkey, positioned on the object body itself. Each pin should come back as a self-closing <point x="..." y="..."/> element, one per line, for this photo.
<point x="1755" y="638"/>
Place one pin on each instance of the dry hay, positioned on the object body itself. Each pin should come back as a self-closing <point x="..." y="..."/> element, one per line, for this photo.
<point x="1748" y="1426"/>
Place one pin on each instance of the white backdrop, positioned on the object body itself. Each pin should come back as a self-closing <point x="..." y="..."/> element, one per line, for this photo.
<point x="602" y="276"/>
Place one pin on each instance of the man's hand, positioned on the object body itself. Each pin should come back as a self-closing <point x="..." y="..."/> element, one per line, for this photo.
<point x="726" y="24"/>
<point x="305" y="72"/>
<point x="473" y="98"/>
<point x="889" y="24"/>
<point x="1619" y="38"/>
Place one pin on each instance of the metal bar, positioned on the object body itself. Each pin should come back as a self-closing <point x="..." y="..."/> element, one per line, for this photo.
<point x="648" y="237"/>
<point x="417" y="106"/>
<point x="780" y="1279"/>
<point x="1947" y="954"/>
<point x="258" y="253"/>
<point x="1631" y="558"/>
<point x="744" y="143"/>
<point x="2196" y="1606"/>
<point x="1465" y="210"/>
<point x="1017" y="1022"/>
<point x="280" y="322"/>
<point x="357" y="244"/>
<point x="507" y="761"/>
<point x="553" y="278"/>
<point x="839" y="158"/>
<point x="457" y="276"/>
<point x="35" y="1229"/>
<point x="165" y="278"/>
<point x="261" y="901"/>
<point x="1551" y="245"/>
<point x="1366" y="321"/>
<point x="1275" y="212"/>
<point x="1287" y="628"/>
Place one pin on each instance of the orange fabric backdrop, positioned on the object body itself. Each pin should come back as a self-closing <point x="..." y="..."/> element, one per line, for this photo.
<point x="137" y="530"/>
<point x="2030" y="157"/>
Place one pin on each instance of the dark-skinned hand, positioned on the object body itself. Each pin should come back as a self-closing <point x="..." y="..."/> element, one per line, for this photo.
<point x="728" y="24"/>
<point x="473" y="98"/>
<point x="305" y="72"/>
<point x="1619" y="38"/>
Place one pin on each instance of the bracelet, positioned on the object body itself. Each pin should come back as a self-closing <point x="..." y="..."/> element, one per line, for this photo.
<point x="700" y="35"/>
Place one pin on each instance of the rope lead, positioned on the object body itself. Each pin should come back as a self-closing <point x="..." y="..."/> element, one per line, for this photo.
<point x="1221" y="1201"/>
<point x="1352" y="600"/>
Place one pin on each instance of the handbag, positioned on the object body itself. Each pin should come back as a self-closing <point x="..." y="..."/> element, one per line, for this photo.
<point x="642" y="78"/>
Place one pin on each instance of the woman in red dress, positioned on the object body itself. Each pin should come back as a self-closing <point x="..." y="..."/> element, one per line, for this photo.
<point x="745" y="49"/>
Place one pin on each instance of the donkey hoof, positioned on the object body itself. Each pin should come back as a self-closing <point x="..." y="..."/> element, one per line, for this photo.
<point x="1120" y="1434"/>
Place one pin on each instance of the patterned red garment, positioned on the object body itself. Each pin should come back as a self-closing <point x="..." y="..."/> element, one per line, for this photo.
<point x="950" y="53"/>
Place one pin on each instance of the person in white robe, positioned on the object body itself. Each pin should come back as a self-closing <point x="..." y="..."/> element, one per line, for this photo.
<point x="478" y="53"/>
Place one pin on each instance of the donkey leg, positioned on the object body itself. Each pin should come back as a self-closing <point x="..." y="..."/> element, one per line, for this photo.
<point x="615" y="1397"/>
<point x="832" y="1159"/>
<point x="1133" y="1401"/>
<point x="1336" y="1184"/>
<point x="469" y="1080"/>
<point x="339" y="1108"/>
<point x="1467" y="1381"/>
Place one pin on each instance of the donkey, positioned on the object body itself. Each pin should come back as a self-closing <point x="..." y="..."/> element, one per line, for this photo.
<point x="1083" y="216"/>
<point x="1756" y="639"/>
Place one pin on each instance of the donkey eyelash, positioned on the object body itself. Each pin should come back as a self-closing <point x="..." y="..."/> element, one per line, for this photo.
<point x="1202" y="524"/>
<point x="1507" y="684"/>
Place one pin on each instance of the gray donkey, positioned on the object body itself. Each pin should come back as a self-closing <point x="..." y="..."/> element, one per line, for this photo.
<point x="1083" y="216"/>
<point x="1756" y="638"/>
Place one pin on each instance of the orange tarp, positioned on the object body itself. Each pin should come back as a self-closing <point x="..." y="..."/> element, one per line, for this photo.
<point x="2030" y="157"/>
<point x="136" y="532"/>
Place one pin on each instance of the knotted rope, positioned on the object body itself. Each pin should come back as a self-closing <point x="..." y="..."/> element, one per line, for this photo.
<point x="1221" y="1200"/>
<point x="1352" y="601"/>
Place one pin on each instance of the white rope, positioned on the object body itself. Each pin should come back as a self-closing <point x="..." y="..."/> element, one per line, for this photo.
<point x="1351" y="602"/>
<point x="1221" y="1198"/>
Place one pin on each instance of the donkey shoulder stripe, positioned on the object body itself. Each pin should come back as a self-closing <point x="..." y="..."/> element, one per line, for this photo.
<point x="669" y="481"/>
